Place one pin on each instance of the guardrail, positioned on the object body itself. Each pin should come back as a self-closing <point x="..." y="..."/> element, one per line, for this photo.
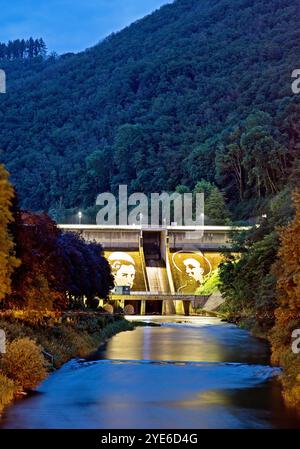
<point x="156" y="293"/>
<point x="157" y="296"/>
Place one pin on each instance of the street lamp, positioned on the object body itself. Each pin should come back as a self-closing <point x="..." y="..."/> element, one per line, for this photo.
<point x="79" y="217"/>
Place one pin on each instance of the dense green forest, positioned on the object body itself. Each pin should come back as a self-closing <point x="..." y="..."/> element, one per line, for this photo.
<point x="196" y="91"/>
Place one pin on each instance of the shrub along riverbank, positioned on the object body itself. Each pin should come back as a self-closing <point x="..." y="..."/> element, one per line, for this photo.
<point x="38" y="343"/>
<point x="262" y="287"/>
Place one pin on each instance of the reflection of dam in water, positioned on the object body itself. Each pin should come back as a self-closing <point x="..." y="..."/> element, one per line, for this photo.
<point x="164" y="268"/>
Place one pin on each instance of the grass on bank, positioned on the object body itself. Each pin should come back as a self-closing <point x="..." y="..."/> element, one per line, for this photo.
<point x="31" y="335"/>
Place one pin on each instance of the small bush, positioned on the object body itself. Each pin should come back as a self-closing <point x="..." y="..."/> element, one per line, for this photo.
<point x="24" y="363"/>
<point x="129" y="310"/>
<point x="108" y="308"/>
<point x="7" y="390"/>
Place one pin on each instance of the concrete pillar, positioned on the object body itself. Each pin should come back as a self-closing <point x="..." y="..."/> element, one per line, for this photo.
<point x="168" y="307"/>
<point x="143" y="307"/>
<point x="164" y="308"/>
<point x="179" y="307"/>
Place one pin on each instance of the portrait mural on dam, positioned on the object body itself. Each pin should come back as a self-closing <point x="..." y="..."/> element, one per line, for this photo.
<point x="126" y="269"/>
<point x="192" y="269"/>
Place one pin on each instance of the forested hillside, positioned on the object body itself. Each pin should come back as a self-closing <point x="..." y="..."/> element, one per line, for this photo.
<point x="197" y="90"/>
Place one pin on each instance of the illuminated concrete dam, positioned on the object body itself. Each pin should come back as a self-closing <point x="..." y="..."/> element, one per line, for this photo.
<point x="164" y="269"/>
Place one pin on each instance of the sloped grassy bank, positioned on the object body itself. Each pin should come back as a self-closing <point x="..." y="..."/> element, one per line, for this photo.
<point x="37" y="343"/>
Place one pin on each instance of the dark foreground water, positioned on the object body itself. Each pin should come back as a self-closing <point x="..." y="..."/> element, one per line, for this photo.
<point x="189" y="373"/>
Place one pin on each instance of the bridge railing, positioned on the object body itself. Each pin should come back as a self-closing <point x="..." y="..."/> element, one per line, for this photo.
<point x="144" y="296"/>
<point x="156" y="293"/>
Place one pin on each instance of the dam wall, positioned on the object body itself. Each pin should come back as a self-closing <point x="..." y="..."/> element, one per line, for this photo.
<point x="161" y="263"/>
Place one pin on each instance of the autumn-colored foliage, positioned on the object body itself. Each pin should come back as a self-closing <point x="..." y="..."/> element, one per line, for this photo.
<point x="24" y="363"/>
<point x="8" y="261"/>
<point x="287" y="272"/>
<point x="288" y="267"/>
<point x="7" y="391"/>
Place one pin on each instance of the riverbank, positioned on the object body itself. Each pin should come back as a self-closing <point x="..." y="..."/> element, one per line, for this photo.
<point x="59" y="337"/>
<point x="281" y="353"/>
<point x="190" y="372"/>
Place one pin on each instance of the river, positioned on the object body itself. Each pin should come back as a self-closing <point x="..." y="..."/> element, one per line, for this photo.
<point x="192" y="372"/>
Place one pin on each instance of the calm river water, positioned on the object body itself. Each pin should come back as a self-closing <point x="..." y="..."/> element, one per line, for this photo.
<point x="188" y="373"/>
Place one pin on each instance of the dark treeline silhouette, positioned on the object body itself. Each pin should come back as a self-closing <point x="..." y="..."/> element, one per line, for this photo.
<point x="23" y="49"/>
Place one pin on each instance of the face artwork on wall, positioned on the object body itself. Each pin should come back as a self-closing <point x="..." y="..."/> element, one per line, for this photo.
<point x="190" y="269"/>
<point x="123" y="269"/>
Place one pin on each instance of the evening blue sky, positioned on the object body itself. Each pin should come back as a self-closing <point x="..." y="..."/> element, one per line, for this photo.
<point x="70" y="25"/>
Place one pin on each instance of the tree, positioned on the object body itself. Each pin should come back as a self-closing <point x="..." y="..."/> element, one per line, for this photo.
<point x="182" y="189"/>
<point x="98" y="174"/>
<point x="21" y="49"/>
<point x="250" y="160"/>
<point x="247" y="285"/>
<point x="88" y="272"/>
<point x="287" y="269"/>
<point x="8" y="261"/>
<point x="264" y="161"/>
<point x="215" y="209"/>
<point x="57" y="269"/>
<point x="205" y="187"/>
<point x="39" y="283"/>
<point x="200" y="164"/>
<point x="229" y="165"/>
<point x="129" y="153"/>
<point x="287" y="272"/>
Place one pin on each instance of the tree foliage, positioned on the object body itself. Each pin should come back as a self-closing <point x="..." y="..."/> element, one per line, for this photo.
<point x="247" y="285"/>
<point x="53" y="270"/>
<point x="287" y="272"/>
<point x="154" y="105"/>
<point x="88" y="273"/>
<point x="39" y="282"/>
<point x="248" y="281"/>
<point x="287" y="268"/>
<point x="24" y="363"/>
<point x="215" y="209"/>
<point x="23" y="49"/>
<point x="8" y="261"/>
<point x="57" y="270"/>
